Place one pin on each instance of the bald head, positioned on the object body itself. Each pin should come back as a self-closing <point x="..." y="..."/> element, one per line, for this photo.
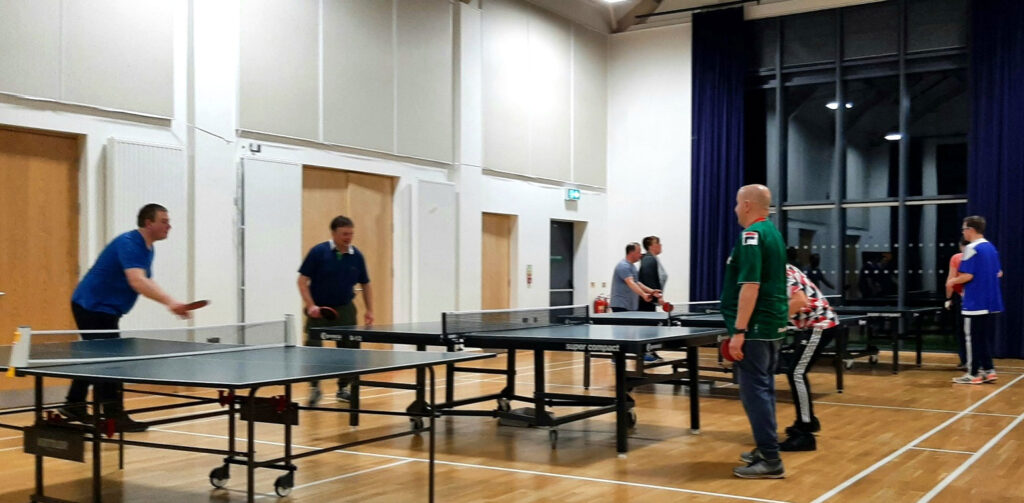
<point x="757" y="194"/>
<point x="752" y="202"/>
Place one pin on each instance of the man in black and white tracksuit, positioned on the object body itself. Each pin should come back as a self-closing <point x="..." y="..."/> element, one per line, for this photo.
<point x="808" y="309"/>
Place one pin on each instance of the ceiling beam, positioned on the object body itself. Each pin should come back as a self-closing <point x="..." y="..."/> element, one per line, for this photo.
<point x="644" y="8"/>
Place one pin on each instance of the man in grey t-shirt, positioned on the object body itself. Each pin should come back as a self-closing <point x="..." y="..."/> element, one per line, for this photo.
<point x="626" y="289"/>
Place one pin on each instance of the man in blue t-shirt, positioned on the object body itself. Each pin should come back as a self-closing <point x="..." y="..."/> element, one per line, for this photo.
<point x="982" y="300"/>
<point x="327" y="278"/>
<point x="106" y="293"/>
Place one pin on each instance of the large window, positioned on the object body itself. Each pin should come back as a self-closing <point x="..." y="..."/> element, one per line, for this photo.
<point x="864" y="141"/>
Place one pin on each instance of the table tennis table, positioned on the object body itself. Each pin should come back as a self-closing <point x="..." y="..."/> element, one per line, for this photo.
<point x="541" y="330"/>
<point x="699" y="320"/>
<point x="907" y="321"/>
<point x="231" y="368"/>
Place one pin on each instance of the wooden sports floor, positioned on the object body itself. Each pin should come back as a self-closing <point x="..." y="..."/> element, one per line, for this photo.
<point x="907" y="437"/>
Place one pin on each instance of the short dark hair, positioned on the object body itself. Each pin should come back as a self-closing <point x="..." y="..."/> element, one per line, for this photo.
<point x="650" y="240"/>
<point x="791" y="255"/>
<point x="975" y="222"/>
<point x="148" y="213"/>
<point x="964" y="242"/>
<point x="341" y="221"/>
<point x="631" y="247"/>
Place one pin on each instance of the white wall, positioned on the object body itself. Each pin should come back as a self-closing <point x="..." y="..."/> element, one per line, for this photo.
<point x="649" y="106"/>
<point x="648" y="153"/>
<point x="535" y="205"/>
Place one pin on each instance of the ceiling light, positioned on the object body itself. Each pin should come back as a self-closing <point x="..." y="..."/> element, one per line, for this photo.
<point x="893" y="137"/>
<point x="834" y="105"/>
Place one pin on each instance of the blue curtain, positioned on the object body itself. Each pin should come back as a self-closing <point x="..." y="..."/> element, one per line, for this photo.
<point x="719" y="67"/>
<point x="996" y="165"/>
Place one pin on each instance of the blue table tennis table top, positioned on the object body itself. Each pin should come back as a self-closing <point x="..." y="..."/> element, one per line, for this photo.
<point x="686" y="320"/>
<point x="568" y="335"/>
<point x="150" y="361"/>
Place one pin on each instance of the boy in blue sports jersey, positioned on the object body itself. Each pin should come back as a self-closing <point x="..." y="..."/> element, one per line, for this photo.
<point x="982" y="300"/>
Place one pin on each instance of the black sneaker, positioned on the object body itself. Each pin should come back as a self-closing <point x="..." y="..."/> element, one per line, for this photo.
<point x="123" y="422"/>
<point x="799" y="427"/>
<point x="800" y="442"/>
<point x="761" y="468"/>
<point x="314" y="395"/>
<point x="76" y="412"/>
<point x="343" y="395"/>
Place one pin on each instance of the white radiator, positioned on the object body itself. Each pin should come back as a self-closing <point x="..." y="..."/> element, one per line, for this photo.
<point x="139" y="173"/>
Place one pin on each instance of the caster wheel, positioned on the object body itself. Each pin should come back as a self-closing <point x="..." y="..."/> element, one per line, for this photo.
<point x="553" y="437"/>
<point x="283" y="485"/>
<point x="632" y="418"/>
<point x="417" y="423"/>
<point x="873" y="359"/>
<point x="219" y="477"/>
<point x="504" y="405"/>
<point x="848" y="364"/>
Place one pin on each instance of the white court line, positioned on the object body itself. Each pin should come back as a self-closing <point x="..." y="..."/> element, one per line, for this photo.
<point x="11" y="448"/>
<point x="940" y="450"/>
<point x="353" y="474"/>
<point x="498" y="468"/>
<point x="970" y="461"/>
<point x="867" y="471"/>
<point x="913" y="409"/>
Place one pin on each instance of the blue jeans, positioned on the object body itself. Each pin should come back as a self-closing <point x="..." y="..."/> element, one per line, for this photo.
<point x="756" y="373"/>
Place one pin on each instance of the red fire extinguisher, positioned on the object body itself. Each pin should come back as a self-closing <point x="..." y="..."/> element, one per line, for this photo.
<point x="601" y="304"/>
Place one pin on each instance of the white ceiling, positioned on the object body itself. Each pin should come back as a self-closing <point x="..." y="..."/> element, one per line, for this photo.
<point x="603" y="16"/>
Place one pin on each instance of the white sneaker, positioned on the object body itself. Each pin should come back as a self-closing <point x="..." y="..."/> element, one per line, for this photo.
<point x="989" y="375"/>
<point x="969" y="379"/>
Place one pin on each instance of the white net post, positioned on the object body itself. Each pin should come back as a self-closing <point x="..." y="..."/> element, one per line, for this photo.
<point x="22" y="344"/>
<point x="289" y="330"/>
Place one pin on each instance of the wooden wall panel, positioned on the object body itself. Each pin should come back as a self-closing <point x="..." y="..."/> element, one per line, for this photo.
<point x="38" y="233"/>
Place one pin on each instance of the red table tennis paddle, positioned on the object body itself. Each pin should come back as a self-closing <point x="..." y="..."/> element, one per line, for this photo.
<point x="192" y="306"/>
<point x="328" y="313"/>
<point x="667" y="307"/>
<point x="725" y="351"/>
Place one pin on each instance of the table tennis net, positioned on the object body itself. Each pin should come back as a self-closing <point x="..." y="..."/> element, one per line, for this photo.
<point x="262" y="332"/>
<point x="54" y="347"/>
<point x="464" y="322"/>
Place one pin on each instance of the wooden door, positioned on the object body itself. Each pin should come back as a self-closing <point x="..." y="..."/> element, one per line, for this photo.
<point x="496" y="261"/>
<point x="38" y="233"/>
<point x="368" y="200"/>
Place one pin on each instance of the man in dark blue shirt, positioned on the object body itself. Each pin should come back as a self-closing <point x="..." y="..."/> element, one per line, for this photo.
<point x="327" y="278"/>
<point x="979" y="272"/>
<point x="106" y="293"/>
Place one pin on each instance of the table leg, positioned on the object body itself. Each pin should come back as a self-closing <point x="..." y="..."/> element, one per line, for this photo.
<point x="621" y="419"/>
<point x="693" y="375"/>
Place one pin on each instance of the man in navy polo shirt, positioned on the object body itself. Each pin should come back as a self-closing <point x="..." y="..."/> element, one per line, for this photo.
<point x="327" y="278"/>
<point x="982" y="300"/>
<point x="106" y="293"/>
